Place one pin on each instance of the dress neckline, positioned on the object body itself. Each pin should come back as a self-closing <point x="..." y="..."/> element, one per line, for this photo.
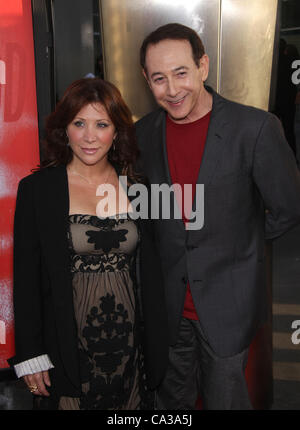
<point x="115" y="216"/>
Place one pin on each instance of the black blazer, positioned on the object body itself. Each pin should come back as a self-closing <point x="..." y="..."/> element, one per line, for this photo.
<point x="247" y="168"/>
<point x="43" y="300"/>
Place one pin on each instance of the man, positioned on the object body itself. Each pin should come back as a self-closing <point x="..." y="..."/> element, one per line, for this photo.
<point x="214" y="277"/>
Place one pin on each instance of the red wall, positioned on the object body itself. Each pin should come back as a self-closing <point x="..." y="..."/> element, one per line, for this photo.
<point x="19" y="149"/>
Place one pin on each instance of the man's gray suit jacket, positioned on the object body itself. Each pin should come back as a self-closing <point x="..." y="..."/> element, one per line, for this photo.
<point x="251" y="193"/>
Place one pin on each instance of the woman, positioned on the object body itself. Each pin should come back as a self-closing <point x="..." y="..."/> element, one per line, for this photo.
<point x="76" y="303"/>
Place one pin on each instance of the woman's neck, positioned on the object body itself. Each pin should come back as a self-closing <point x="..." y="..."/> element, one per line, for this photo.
<point x="91" y="173"/>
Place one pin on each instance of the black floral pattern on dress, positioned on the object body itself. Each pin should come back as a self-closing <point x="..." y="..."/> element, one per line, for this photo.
<point x="93" y="220"/>
<point x="109" y="340"/>
<point x="109" y="343"/>
<point x="107" y="240"/>
<point x="107" y="263"/>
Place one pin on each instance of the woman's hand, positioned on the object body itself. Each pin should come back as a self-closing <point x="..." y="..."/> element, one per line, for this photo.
<point x="37" y="383"/>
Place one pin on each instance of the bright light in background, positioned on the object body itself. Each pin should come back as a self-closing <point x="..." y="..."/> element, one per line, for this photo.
<point x="188" y="5"/>
<point x="231" y="8"/>
<point x="87" y="35"/>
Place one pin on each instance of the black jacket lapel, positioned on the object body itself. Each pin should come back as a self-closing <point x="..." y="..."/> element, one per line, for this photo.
<point x="214" y="141"/>
<point x="156" y="153"/>
<point x="54" y="200"/>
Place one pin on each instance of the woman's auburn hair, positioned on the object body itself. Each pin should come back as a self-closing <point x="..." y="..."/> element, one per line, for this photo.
<point x="80" y="93"/>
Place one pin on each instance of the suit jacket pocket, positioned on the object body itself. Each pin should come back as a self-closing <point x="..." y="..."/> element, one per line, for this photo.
<point x="249" y="288"/>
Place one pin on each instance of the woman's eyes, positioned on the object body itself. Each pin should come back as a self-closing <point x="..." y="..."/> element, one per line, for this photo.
<point x="78" y="123"/>
<point x="81" y="124"/>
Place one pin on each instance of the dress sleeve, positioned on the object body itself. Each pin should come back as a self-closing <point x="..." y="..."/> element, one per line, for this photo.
<point x="33" y="365"/>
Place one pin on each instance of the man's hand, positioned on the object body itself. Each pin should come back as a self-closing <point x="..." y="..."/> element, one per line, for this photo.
<point x="37" y="383"/>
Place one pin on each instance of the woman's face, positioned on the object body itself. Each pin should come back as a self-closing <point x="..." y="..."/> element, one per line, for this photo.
<point x="91" y="134"/>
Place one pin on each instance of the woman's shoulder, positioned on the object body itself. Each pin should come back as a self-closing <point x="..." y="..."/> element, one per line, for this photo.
<point x="43" y="174"/>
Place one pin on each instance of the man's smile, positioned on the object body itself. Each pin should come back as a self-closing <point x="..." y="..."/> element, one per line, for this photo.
<point x="176" y="103"/>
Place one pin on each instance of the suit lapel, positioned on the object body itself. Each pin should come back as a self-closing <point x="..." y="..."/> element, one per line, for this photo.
<point x="155" y="159"/>
<point x="165" y="152"/>
<point x="215" y="141"/>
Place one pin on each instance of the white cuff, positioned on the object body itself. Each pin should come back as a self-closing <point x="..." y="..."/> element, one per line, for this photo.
<point x="34" y="365"/>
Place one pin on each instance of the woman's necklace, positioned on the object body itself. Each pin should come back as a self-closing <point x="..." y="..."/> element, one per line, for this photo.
<point x="73" y="172"/>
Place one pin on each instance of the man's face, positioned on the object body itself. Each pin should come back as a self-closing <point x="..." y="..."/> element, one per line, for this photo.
<point x="175" y="79"/>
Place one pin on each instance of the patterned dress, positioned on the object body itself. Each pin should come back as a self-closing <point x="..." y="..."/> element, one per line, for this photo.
<point x="103" y="259"/>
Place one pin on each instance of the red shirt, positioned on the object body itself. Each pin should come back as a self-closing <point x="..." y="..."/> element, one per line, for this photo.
<point x="185" y="146"/>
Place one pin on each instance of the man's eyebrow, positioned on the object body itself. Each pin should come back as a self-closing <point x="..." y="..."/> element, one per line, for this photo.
<point x="180" y="68"/>
<point x="177" y="69"/>
<point x="156" y="73"/>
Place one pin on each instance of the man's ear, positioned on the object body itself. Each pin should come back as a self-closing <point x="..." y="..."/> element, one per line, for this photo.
<point x="204" y="64"/>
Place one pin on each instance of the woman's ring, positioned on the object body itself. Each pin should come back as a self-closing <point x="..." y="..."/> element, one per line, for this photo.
<point x="32" y="388"/>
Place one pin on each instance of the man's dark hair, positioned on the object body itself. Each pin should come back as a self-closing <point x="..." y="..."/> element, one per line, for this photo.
<point x="173" y="31"/>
